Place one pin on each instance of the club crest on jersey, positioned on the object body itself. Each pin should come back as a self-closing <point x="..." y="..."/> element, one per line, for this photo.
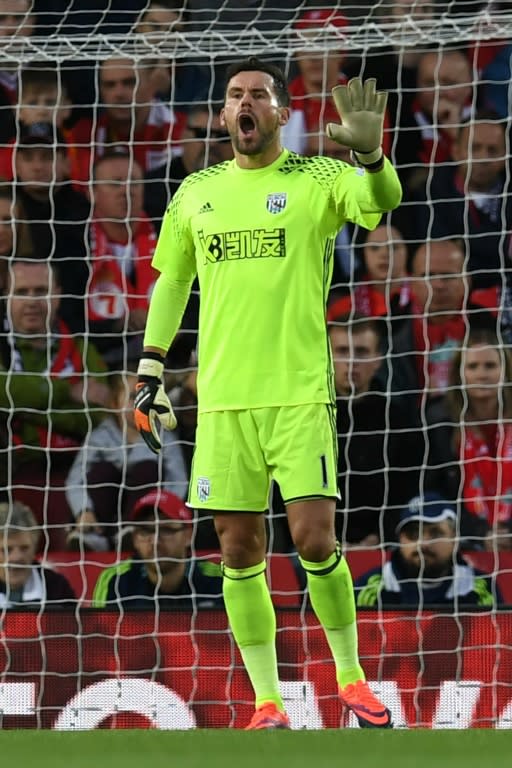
<point x="203" y="488"/>
<point x="276" y="202"/>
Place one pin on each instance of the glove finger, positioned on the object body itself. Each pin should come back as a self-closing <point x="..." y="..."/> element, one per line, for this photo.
<point x="168" y="420"/>
<point x="355" y="87"/>
<point x="150" y="440"/>
<point x="369" y="89"/>
<point x="341" y="98"/>
<point x="339" y="134"/>
<point x="381" y="99"/>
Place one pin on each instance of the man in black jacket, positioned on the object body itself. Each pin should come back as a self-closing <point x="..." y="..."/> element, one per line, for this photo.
<point x="57" y="214"/>
<point x="379" y="451"/>
<point x="426" y="568"/>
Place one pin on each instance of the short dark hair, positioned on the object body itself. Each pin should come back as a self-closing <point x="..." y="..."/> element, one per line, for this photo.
<point x="253" y="64"/>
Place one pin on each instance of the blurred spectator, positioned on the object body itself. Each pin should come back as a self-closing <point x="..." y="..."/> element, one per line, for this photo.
<point x="16" y="20"/>
<point x="56" y="213"/>
<point x="444" y="97"/>
<point x="158" y="19"/>
<point x="443" y="307"/>
<point x="42" y="98"/>
<point x="378" y="456"/>
<point x="396" y="65"/>
<point x="470" y="445"/>
<point x="426" y="568"/>
<point x="131" y="116"/>
<point x="319" y="70"/>
<point x="122" y="243"/>
<point x="204" y="143"/>
<point x="115" y="467"/>
<point x="161" y="572"/>
<point x="52" y="391"/>
<point x="383" y="289"/>
<point x="182" y="82"/>
<point x="15" y="240"/>
<point x="470" y="198"/>
<point x="492" y="61"/>
<point x="23" y="581"/>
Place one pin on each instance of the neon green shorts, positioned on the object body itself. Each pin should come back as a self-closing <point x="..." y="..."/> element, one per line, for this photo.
<point x="239" y="452"/>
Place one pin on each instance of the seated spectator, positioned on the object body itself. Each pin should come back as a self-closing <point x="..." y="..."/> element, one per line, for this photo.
<point x="471" y="442"/>
<point x="470" y="198"/>
<point x="114" y="468"/>
<point x="131" y="116"/>
<point x="16" y="20"/>
<point x="56" y="213"/>
<point x="319" y="71"/>
<point x="23" y="580"/>
<point x="395" y="66"/>
<point x="442" y="309"/>
<point x="379" y="449"/>
<point x="158" y="19"/>
<point x="204" y="143"/>
<point x="42" y="98"/>
<point x="161" y="571"/>
<point x="383" y="289"/>
<point x="122" y="243"/>
<point x="426" y="131"/>
<point x="426" y="568"/>
<point x="52" y="391"/>
<point x="182" y="82"/>
<point x="15" y="240"/>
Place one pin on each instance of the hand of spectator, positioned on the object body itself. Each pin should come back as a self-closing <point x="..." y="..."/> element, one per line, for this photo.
<point x="449" y="116"/>
<point x="137" y="319"/>
<point x="90" y="390"/>
<point x="361" y="109"/>
<point x="87" y="534"/>
<point x="499" y="539"/>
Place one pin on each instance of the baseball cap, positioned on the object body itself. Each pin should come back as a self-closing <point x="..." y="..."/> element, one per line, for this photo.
<point x="429" y="508"/>
<point x="167" y="503"/>
<point x="43" y="134"/>
<point x="321" y="17"/>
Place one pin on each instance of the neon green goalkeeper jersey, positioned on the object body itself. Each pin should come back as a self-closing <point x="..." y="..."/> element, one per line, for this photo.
<point x="261" y="242"/>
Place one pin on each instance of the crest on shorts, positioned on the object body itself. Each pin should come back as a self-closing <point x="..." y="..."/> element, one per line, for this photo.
<point x="276" y="202"/>
<point x="203" y="488"/>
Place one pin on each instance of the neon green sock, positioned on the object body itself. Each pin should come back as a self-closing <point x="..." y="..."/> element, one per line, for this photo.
<point x="332" y="596"/>
<point x="253" y="623"/>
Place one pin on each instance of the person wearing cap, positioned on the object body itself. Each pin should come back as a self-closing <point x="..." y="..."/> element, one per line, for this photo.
<point x="426" y="568"/>
<point x="57" y="214"/>
<point x="161" y="572"/>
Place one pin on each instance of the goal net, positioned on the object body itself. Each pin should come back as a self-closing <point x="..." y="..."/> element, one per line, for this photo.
<point x="103" y="114"/>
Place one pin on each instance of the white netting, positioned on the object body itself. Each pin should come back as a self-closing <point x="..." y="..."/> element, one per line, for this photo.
<point x="435" y="667"/>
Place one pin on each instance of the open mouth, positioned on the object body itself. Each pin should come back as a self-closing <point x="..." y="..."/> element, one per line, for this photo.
<point x="247" y="124"/>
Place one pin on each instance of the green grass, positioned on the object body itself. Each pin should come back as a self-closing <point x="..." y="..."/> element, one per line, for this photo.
<point x="238" y="749"/>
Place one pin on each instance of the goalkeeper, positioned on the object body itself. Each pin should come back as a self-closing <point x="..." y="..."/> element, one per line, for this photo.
<point x="259" y="233"/>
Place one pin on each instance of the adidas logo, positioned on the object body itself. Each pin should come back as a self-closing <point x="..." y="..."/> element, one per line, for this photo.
<point x="206" y="208"/>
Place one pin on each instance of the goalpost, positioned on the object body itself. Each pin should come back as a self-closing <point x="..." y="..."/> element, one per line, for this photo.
<point x="83" y="668"/>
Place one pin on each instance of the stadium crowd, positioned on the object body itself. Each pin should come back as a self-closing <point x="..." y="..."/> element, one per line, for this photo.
<point x="418" y="313"/>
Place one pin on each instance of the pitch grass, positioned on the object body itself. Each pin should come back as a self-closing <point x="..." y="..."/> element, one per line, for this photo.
<point x="263" y="749"/>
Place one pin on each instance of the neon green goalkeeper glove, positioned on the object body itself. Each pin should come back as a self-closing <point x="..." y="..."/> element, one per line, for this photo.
<point x="151" y="402"/>
<point x="361" y="109"/>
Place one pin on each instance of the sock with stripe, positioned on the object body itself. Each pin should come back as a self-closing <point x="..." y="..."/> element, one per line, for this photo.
<point x="253" y="624"/>
<point x="331" y="593"/>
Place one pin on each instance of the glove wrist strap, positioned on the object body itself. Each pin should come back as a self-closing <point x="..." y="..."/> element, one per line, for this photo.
<point x="370" y="160"/>
<point x="150" y="366"/>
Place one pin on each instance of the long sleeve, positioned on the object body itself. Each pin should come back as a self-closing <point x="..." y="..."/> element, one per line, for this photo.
<point x="166" y="309"/>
